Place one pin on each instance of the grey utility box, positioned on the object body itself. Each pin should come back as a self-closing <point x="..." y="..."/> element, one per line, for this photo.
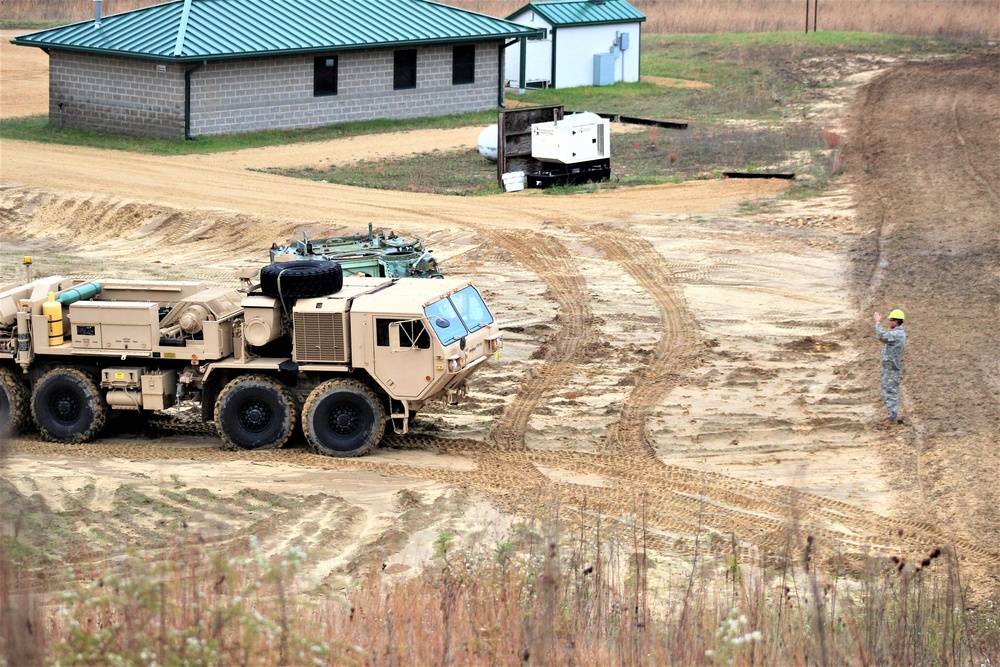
<point x="604" y="69"/>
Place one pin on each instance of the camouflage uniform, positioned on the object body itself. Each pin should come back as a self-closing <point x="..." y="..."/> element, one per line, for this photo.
<point x="893" y="342"/>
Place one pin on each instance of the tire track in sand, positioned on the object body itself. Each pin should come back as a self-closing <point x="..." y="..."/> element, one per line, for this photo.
<point x="986" y="181"/>
<point x="759" y="515"/>
<point x="546" y="257"/>
<point x="675" y="349"/>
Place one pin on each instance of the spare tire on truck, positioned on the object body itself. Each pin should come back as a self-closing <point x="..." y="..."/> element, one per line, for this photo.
<point x="302" y="278"/>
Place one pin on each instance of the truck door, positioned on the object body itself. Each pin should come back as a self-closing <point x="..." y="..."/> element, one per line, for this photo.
<point x="404" y="360"/>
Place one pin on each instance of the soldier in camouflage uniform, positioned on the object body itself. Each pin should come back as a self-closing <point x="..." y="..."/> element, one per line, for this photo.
<point x="893" y="341"/>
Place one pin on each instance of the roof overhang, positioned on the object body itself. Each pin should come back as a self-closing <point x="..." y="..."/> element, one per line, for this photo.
<point x="556" y="22"/>
<point x="203" y="30"/>
<point x="274" y="54"/>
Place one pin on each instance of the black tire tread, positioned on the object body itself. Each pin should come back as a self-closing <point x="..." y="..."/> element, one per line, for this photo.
<point x="16" y="394"/>
<point x="303" y="278"/>
<point x="94" y="400"/>
<point x="317" y="395"/>
<point x="242" y="382"/>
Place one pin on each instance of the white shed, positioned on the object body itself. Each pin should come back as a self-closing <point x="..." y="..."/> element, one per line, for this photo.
<point x="586" y="43"/>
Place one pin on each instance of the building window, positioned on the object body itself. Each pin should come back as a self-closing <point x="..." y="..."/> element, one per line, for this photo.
<point x="463" y="64"/>
<point x="404" y="73"/>
<point x="324" y="75"/>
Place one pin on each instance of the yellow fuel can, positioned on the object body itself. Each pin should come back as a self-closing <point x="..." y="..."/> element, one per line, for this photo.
<point x="52" y="310"/>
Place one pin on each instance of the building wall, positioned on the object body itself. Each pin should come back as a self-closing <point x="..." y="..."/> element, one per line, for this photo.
<point x="112" y="94"/>
<point x="267" y="93"/>
<point x="576" y="46"/>
<point x="538" y="53"/>
<point x="231" y="96"/>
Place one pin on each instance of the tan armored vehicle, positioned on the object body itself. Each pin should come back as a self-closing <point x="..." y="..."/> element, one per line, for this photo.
<point x="343" y="356"/>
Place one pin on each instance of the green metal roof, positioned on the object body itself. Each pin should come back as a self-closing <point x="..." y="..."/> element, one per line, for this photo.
<point x="193" y="30"/>
<point x="566" y="13"/>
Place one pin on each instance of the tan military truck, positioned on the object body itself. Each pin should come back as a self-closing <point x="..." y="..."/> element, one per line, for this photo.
<point x="343" y="356"/>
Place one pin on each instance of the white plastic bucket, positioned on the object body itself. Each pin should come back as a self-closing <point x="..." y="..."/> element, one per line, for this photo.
<point x="513" y="181"/>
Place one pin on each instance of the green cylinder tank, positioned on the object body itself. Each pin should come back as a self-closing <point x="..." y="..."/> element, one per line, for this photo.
<point x="88" y="291"/>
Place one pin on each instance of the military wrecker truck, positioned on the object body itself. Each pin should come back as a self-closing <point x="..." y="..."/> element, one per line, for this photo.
<point x="297" y="342"/>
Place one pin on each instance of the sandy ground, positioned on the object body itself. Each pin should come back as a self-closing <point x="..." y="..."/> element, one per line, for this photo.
<point x="669" y="82"/>
<point x="662" y="343"/>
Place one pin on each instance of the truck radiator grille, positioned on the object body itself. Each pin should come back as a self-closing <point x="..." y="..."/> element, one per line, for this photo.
<point x="320" y="337"/>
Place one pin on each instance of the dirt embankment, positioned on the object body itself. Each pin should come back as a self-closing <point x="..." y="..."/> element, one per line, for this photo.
<point x="925" y="150"/>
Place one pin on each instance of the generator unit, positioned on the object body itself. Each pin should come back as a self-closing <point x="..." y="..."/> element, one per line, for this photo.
<point x="576" y="149"/>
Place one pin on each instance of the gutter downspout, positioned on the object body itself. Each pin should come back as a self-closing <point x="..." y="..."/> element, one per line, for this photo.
<point x="187" y="97"/>
<point x="501" y="58"/>
<point x="555" y="52"/>
<point x="178" y="50"/>
<point x="524" y="66"/>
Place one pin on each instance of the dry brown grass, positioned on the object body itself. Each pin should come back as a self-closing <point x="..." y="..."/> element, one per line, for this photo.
<point x="552" y="594"/>
<point x="968" y="19"/>
<point x="971" y="19"/>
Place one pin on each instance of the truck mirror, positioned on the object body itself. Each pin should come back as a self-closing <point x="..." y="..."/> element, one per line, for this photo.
<point x="442" y="322"/>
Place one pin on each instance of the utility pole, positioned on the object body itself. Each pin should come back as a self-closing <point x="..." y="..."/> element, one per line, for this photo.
<point x="807" y="17"/>
<point x="815" y="13"/>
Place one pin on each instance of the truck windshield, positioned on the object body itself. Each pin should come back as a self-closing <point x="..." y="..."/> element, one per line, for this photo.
<point x="457" y="315"/>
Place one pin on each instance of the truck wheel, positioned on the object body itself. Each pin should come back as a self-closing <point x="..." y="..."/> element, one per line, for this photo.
<point x="301" y="279"/>
<point x="14" y="403"/>
<point x="68" y="406"/>
<point x="343" y="418"/>
<point x="255" y="412"/>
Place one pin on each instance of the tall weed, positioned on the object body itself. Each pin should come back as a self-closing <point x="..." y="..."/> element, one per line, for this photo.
<point x="575" y="587"/>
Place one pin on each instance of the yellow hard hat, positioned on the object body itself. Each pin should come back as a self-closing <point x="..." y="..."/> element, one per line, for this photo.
<point x="897" y="315"/>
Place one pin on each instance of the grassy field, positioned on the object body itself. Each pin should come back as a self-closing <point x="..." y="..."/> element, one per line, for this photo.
<point x="644" y="157"/>
<point x="756" y="78"/>
<point x="964" y="19"/>
<point x="753" y="77"/>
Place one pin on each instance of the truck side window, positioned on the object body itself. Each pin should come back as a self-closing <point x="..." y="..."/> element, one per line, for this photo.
<point x="412" y="333"/>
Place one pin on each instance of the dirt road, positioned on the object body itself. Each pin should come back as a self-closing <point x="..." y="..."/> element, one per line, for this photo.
<point x="222" y="183"/>
<point x="663" y="349"/>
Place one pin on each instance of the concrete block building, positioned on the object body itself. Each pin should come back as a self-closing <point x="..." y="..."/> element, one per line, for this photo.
<point x="200" y="67"/>
<point x="582" y="43"/>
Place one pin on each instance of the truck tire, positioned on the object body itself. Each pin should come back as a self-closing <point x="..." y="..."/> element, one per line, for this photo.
<point x="68" y="407"/>
<point x="343" y="418"/>
<point x="255" y="412"/>
<point x="301" y="279"/>
<point x="14" y="403"/>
